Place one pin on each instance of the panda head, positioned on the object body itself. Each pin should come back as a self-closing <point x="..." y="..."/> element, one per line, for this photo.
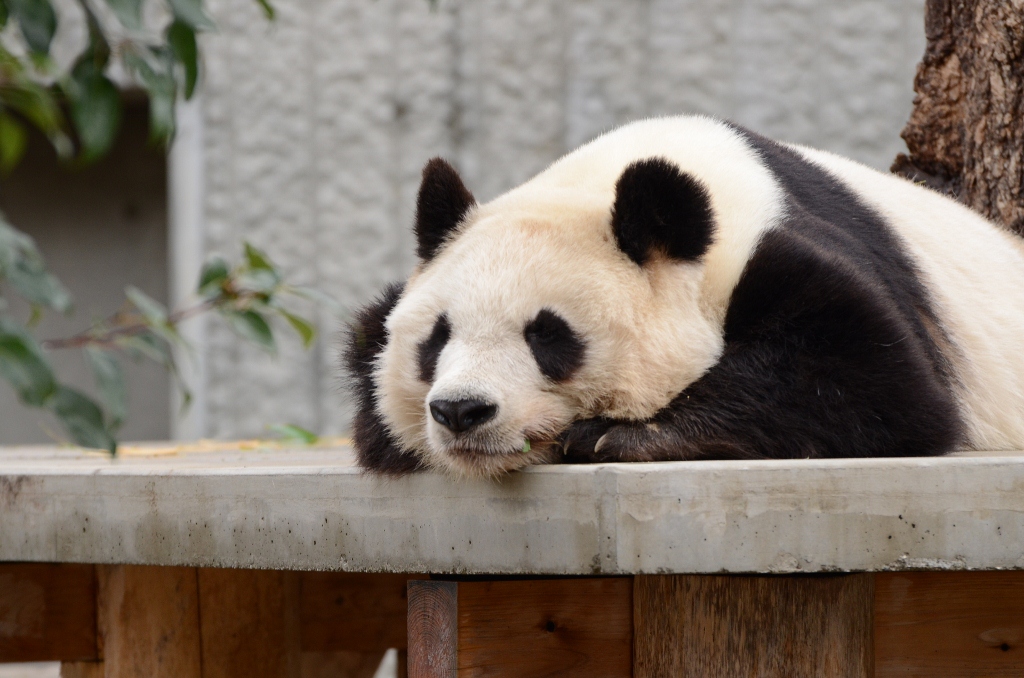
<point x="550" y="304"/>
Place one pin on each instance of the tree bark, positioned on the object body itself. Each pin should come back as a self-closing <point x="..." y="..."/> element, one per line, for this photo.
<point x="966" y="132"/>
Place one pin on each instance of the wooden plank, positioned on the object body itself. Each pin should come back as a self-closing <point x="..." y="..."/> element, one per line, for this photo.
<point x="250" y="623"/>
<point x="47" y="612"/>
<point x="553" y="627"/>
<point x="694" y="626"/>
<point x="353" y="612"/>
<point x="953" y="624"/>
<point x="433" y="629"/>
<point x="81" y="670"/>
<point x="149" y="621"/>
<point x="340" y="664"/>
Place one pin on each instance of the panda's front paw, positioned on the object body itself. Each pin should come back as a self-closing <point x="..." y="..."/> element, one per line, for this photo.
<point x="600" y="440"/>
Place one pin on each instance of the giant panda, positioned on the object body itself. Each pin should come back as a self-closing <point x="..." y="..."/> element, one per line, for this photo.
<point x="684" y="289"/>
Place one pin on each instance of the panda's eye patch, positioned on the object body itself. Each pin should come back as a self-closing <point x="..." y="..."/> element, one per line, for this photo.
<point x="430" y="348"/>
<point x="556" y="348"/>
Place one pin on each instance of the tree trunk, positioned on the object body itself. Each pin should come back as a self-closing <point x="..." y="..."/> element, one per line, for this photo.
<point x="966" y="132"/>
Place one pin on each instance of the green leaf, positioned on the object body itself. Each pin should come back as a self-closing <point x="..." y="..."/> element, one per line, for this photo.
<point x="294" y="434"/>
<point x="259" y="280"/>
<point x="24" y="366"/>
<point x="155" y="348"/>
<point x="257" y="259"/>
<point x="156" y="316"/>
<point x="23" y="266"/>
<point x="182" y="40"/>
<point x="152" y="309"/>
<point x="38" y="23"/>
<point x="95" y="109"/>
<point x="82" y="418"/>
<point x="38" y="105"/>
<point x="191" y="12"/>
<point x="13" y="140"/>
<point x="214" y="273"/>
<point x="98" y="51"/>
<point x="302" y="326"/>
<point x="128" y="12"/>
<point x="106" y="370"/>
<point x="147" y="345"/>
<point x="318" y="297"/>
<point x="160" y="85"/>
<point x="252" y="326"/>
<point x="268" y="9"/>
<point x="4" y="13"/>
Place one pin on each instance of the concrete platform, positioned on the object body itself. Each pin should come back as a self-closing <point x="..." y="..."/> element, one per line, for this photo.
<point x="311" y="509"/>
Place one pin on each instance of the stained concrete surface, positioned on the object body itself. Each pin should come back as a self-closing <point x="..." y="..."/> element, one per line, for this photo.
<point x="312" y="509"/>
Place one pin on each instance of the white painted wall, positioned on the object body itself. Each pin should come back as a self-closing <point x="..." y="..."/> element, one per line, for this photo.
<point x="315" y="127"/>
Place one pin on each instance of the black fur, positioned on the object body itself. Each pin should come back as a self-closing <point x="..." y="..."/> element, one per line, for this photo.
<point x="430" y="348"/>
<point x="832" y="348"/>
<point x="658" y="208"/>
<point x="377" y="450"/>
<point x="442" y="203"/>
<point x="558" y="350"/>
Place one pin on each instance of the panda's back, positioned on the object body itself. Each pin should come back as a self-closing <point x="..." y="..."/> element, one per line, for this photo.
<point x="973" y="272"/>
<point x="955" y="279"/>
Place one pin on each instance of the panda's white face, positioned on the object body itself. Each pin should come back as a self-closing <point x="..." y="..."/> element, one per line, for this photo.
<point x="529" y="318"/>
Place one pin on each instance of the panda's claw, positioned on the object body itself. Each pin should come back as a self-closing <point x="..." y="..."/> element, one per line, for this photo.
<point x="599" y="440"/>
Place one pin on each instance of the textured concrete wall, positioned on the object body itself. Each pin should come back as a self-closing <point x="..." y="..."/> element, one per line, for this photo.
<point x="316" y="126"/>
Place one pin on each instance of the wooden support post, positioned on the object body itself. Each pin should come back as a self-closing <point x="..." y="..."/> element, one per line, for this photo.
<point x="149" y="621"/>
<point x="250" y="623"/>
<point x="433" y="629"/>
<point x="47" y="612"/>
<point x="949" y="624"/>
<point x="522" y="628"/>
<point x="700" y="626"/>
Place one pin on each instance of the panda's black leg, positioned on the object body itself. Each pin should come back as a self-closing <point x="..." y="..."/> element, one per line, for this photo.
<point x="601" y="440"/>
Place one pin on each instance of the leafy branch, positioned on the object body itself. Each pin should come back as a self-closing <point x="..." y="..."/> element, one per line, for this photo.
<point x="78" y="106"/>
<point x="78" y="109"/>
<point x="247" y="295"/>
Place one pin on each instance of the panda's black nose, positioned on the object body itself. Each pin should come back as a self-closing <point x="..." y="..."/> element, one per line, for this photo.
<point x="462" y="415"/>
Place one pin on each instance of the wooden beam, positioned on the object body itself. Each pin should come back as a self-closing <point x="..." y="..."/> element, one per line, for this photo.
<point x="949" y="624"/>
<point x="250" y="623"/>
<point x="702" y="626"/>
<point x="341" y="664"/>
<point x="81" y="670"/>
<point x="523" y="628"/>
<point x="47" y="612"/>
<point x="149" y="621"/>
<point x="554" y="627"/>
<point x="349" y="612"/>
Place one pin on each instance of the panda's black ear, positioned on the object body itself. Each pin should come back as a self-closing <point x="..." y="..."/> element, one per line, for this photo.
<point x="442" y="203"/>
<point x="659" y="208"/>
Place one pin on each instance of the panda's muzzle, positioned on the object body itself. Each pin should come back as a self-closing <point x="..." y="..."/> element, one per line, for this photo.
<point x="460" y="416"/>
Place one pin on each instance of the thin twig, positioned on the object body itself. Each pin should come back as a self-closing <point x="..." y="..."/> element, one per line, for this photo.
<point x="111" y="334"/>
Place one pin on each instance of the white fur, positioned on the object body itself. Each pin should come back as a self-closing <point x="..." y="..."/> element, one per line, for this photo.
<point x="652" y="331"/>
<point x="975" y="274"/>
